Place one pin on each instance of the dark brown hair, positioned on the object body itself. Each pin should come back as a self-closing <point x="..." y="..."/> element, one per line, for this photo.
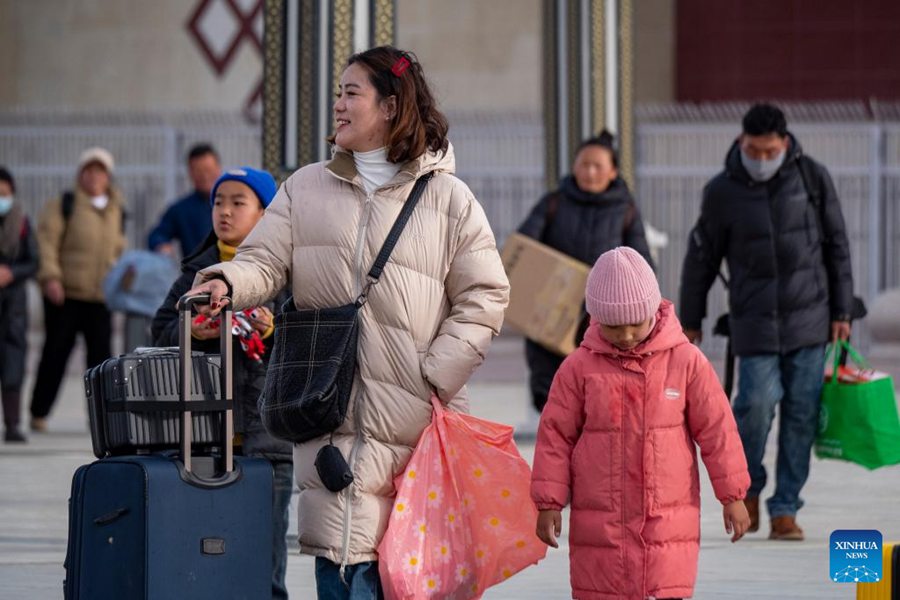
<point x="418" y="125"/>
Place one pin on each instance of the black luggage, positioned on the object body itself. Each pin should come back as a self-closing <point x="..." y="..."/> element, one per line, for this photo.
<point x="133" y="402"/>
<point x="174" y="525"/>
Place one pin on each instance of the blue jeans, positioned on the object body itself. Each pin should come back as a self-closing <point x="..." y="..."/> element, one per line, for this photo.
<point x="363" y="582"/>
<point x="281" y="509"/>
<point x="794" y="380"/>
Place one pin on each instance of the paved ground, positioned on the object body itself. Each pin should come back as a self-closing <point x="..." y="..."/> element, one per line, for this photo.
<point x="36" y="478"/>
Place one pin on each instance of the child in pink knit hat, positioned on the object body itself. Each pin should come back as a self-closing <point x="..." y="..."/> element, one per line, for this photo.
<point x="617" y="440"/>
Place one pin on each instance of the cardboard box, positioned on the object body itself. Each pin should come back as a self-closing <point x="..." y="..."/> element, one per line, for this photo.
<point x="546" y="292"/>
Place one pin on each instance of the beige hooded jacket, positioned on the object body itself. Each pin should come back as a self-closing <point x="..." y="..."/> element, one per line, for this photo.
<point x="80" y="251"/>
<point x="427" y="325"/>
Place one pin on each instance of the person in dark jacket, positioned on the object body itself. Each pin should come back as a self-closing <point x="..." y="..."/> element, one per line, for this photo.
<point x="240" y="197"/>
<point x="590" y="213"/>
<point x="790" y="292"/>
<point x="18" y="262"/>
<point x="188" y="219"/>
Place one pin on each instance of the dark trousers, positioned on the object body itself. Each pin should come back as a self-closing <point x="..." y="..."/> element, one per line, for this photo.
<point x="13" y="349"/>
<point x="361" y="581"/>
<point x="281" y="509"/>
<point x="62" y="325"/>
<point x="11" y="402"/>
<point x="542" y="365"/>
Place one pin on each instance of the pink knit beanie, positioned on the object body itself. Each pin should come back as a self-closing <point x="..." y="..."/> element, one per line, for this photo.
<point x="622" y="288"/>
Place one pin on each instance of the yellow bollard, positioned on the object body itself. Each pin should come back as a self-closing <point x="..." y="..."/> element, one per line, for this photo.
<point x="889" y="586"/>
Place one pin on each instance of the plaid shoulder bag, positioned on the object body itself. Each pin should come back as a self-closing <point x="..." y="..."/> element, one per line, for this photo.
<point x="313" y="360"/>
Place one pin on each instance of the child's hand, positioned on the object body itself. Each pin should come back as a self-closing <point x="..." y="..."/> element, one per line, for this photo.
<point x="736" y="519"/>
<point x="204" y="330"/>
<point x="549" y="526"/>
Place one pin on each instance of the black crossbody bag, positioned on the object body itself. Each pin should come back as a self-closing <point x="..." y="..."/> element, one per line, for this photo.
<point x="313" y="360"/>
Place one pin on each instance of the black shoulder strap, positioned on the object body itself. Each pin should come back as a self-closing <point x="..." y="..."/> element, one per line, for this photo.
<point x="628" y="221"/>
<point x="813" y="186"/>
<point x="68" y="204"/>
<point x="394" y="234"/>
<point x="553" y="201"/>
<point x="810" y="180"/>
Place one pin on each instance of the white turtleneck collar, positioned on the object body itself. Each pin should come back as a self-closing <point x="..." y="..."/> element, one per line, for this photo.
<point x="374" y="169"/>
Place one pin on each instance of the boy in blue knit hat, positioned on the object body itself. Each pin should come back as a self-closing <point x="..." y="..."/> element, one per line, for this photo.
<point x="239" y="199"/>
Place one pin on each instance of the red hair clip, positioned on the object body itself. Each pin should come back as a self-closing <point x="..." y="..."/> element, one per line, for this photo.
<point x="400" y="66"/>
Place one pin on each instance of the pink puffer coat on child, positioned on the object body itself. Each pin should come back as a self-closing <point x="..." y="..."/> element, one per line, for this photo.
<point x="617" y="440"/>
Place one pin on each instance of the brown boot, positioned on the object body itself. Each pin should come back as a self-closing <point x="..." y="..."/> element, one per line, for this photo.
<point x="785" y="528"/>
<point x="752" y="504"/>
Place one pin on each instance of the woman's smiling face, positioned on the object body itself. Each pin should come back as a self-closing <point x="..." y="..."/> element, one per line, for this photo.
<point x="362" y="119"/>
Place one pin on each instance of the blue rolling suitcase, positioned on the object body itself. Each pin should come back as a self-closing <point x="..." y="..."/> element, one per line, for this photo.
<point x="167" y="526"/>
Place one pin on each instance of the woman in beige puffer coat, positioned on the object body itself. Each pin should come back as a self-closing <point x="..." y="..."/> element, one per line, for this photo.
<point x="428" y="322"/>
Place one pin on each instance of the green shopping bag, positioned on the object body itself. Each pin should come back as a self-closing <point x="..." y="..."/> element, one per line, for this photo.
<point x="858" y="421"/>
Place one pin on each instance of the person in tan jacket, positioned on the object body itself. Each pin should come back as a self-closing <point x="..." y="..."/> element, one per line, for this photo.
<point x="427" y="324"/>
<point x="80" y="238"/>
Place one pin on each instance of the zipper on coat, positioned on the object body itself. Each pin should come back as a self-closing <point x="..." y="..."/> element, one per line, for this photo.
<point x="361" y="242"/>
<point x="357" y="442"/>
<point x="348" y="491"/>
<point x="772" y="234"/>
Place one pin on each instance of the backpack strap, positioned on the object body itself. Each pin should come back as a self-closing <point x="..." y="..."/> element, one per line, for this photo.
<point x="68" y="204"/>
<point x="812" y="183"/>
<point x="813" y="186"/>
<point x="68" y="207"/>
<point x="553" y="202"/>
<point x="628" y="221"/>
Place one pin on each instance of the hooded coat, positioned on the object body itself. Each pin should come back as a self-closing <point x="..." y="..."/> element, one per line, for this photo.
<point x="788" y="263"/>
<point x="18" y="252"/>
<point x="425" y="328"/>
<point x="79" y="250"/>
<point x="617" y="441"/>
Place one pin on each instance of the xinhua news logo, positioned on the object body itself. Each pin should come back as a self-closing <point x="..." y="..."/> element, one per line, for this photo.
<point x="855" y="556"/>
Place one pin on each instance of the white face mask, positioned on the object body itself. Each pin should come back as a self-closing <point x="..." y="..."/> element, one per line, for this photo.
<point x="100" y="202"/>
<point x="762" y="170"/>
<point x="6" y="203"/>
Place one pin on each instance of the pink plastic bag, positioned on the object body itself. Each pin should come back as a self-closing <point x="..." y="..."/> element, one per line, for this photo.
<point x="463" y="519"/>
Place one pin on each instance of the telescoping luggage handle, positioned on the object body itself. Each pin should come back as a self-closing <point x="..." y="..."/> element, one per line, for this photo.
<point x="185" y="303"/>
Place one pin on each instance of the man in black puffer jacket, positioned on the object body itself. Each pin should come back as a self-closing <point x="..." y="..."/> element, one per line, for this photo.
<point x="790" y="292"/>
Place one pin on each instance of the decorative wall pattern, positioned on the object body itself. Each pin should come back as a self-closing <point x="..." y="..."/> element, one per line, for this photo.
<point x="220" y="28"/>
